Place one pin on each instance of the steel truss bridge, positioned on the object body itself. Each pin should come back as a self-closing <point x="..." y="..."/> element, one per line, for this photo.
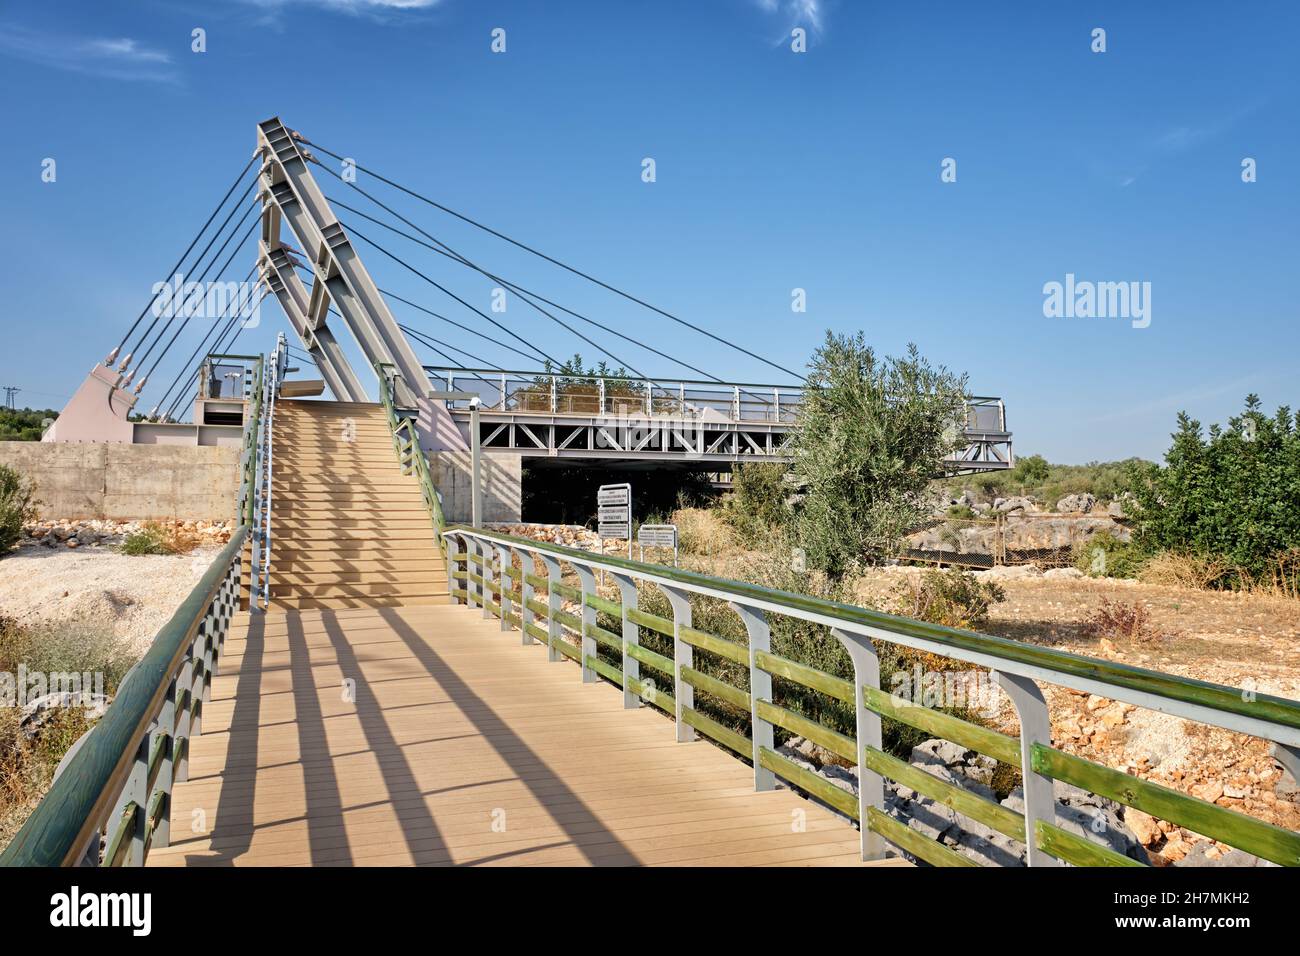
<point x="308" y="259"/>
<point x="620" y="418"/>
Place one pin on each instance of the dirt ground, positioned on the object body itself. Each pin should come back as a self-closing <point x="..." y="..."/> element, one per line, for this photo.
<point x="137" y="594"/>
<point x="1240" y="640"/>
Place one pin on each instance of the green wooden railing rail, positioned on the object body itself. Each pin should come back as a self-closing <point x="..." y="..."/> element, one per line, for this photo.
<point x="533" y="604"/>
<point x="406" y="445"/>
<point x="111" y="795"/>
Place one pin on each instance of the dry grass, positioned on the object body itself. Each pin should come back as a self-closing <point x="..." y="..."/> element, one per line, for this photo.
<point x="702" y="531"/>
<point x="1185" y="570"/>
<point x="27" y="765"/>
<point x="1123" y="621"/>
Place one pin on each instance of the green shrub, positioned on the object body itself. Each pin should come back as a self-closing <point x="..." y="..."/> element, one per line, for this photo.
<point x="756" y="504"/>
<point x="952" y="597"/>
<point x="17" y="506"/>
<point x="144" y="541"/>
<point x="1229" y="493"/>
<point x="1105" y="556"/>
<point x="872" y="435"/>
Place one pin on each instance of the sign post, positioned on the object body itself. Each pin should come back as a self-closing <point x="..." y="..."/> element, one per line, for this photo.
<point x="657" y="536"/>
<point x="614" y="514"/>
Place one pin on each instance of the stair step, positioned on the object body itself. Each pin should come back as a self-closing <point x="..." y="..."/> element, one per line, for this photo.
<point x="303" y="604"/>
<point x="357" y="589"/>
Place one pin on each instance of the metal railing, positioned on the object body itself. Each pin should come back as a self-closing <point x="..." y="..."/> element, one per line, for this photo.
<point x="550" y="393"/>
<point x="496" y="572"/>
<point x="110" y="802"/>
<point x="406" y="446"/>
<point x="264" y="475"/>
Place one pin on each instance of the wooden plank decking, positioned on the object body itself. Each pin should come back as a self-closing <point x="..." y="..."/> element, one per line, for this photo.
<point x="461" y="746"/>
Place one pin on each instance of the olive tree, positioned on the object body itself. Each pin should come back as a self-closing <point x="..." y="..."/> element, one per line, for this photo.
<point x="873" y="434"/>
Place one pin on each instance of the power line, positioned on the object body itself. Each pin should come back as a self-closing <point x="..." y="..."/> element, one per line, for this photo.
<point x="464" y="261"/>
<point x="112" y="357"/>
<point x="557" y="262"/>
<point x="436" y="315"/>
<point x="190" y="312"/>
<point x="202" y="342"/>
<point x="522" y="292"/>
<point x="400" y="261"/>
<point x="216" y="235"/>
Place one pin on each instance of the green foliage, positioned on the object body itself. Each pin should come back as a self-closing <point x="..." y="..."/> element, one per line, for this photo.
<point x="1105" y="556"/>
<point x="953" y="598"/>
<point x="1031" y="470"/>
<point x="24" y="424"/>
<point x="1107" y="480"/>
<point x="872" y="435"/>
<point x="17" y="506"/>
<point x="150" y="539"/>
<point x="1231" y="492"/>
<point x="756" y="504"/>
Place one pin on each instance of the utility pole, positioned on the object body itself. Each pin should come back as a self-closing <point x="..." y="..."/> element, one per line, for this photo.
<point x="10" y="392"/>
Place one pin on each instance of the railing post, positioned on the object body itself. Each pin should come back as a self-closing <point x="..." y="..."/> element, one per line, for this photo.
<point x="682" y="657"/>
<point x="627" y="594"/>
<point x="871" y="785"/>
<point x="1035" y="728"/>
<point x="760" y="688"/>
<point x="649" y="400"/>
<point x="502" y="404"/>
<point x="503" y="579"/>
<point x="776" y="404"/>
<point x="181" y="730"/>
<point x="527" y="566"/>
<point x="554" y="396"/>
<point x="471" y="569"/>
<point x="588" y="615"/>
<point x="553" y="604"/>
<point x="735" y="402"/>
<point x="162" y="834"/>
<point x="601" y="393"/>
<point x="485" y="550"/>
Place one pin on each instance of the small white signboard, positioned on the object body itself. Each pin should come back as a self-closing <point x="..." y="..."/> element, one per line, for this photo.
<point x="657" y="536"/>
<point x="614" y="514"/>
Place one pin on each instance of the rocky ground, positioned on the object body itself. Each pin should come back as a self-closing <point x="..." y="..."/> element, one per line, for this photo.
<point x="48" y="579"/>
<point x="73" y="534"/>
<point x="1240" y="640"/>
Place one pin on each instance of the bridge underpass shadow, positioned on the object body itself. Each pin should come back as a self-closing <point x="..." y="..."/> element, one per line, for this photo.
<point x="584" y="830"/>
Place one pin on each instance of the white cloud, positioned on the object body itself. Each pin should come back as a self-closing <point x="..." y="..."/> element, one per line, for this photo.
<point x="810" y="14"/>
<point x="351" y="6"/>
<point x="119" y="58"/>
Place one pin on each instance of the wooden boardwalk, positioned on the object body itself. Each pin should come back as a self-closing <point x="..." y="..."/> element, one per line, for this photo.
<point x="459" y="746"/>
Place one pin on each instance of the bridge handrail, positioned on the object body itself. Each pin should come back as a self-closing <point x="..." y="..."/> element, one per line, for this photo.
<point x="1017" y="668"/>
<point x="114" y="784"/>
<point x="410" y="456"/>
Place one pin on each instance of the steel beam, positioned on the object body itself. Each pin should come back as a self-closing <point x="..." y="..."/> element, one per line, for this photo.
<point x="336" y="263"/>
<point x="282" y="279"/>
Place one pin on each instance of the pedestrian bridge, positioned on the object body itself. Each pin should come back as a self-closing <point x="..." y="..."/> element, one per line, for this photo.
<point x="531" y="704"/>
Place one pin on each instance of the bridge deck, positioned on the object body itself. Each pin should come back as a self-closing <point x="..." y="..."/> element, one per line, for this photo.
<point x="456" y="727"/>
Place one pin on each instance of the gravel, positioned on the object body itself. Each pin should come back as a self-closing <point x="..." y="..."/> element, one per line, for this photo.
<point x="136" y="594"/>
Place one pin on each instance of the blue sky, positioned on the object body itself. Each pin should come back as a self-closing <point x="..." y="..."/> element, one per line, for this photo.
<point x="775" y="170"/>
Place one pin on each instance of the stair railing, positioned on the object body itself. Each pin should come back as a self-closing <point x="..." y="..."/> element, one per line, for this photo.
<point x="263" y="487"/>
<point x="410" y="456"/>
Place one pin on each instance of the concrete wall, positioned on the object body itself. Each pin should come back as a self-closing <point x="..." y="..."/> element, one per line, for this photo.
<point x="502" y="484"/>
<point x="128" y="482"/>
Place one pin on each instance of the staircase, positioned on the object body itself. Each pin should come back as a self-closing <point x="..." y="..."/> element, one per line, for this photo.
<point x="348" y="528"/>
